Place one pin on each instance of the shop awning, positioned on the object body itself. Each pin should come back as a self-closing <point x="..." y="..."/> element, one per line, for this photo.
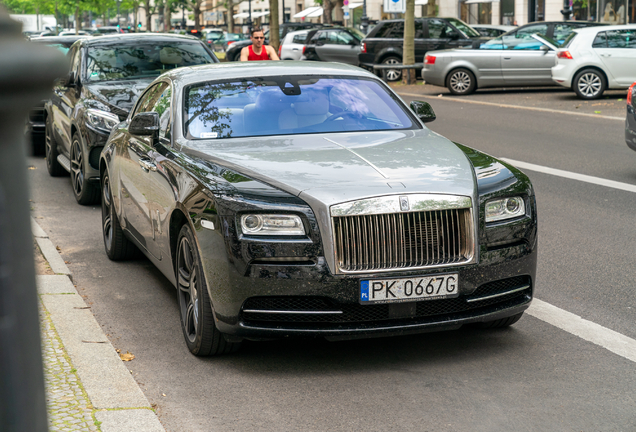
<point x="259" y="14"/>
<point x="241" y="15"/>
<point x="353" y="5"/>
<point x="480" y="1"/>
<point x="311" y="12"/>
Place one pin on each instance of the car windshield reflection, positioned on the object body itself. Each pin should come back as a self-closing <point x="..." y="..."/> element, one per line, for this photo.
<point x="291" y="105"/>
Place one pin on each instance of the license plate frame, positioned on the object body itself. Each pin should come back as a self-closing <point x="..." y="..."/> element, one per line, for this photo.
<point x="433" y="287"/>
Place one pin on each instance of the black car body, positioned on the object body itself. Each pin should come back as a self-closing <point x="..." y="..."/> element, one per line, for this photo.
<point x="35" y="122"/>
<point x="105" y="77"/>
<point x="188" y="182"/>
<point x="384" y="44"/>
<point x="233" y="52"/>
<point x="630" y="120"/>
<point x="334" y="44"/>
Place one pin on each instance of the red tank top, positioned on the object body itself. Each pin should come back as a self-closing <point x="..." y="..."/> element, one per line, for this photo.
<point x="254" y="57"/>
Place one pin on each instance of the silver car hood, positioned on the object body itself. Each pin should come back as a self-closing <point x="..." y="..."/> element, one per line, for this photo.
<point x="340" y="167"/>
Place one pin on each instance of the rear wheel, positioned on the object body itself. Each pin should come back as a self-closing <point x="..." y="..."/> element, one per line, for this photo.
<point x="197" y="321"/>
<point x="392" y="74"/>
<point x="461" y="82"/>
<point x="117" y="246"/>
<point x="500" y="323"/>
<point x="51" y="151"/>
<point x="85" y="192"/>
<point x="589" y="84"/>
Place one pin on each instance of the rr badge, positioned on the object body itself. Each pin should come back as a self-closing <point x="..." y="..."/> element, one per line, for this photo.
<point x="404" y="203"/>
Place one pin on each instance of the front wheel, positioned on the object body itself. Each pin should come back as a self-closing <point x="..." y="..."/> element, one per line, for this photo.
<point x="85" y="192"/>
<point x="589" y="84"/>
<point x="392" y="74"/>
<point x="117" y="246"/>
<point x="197" y="321"/>
<point x="461" y="82"/>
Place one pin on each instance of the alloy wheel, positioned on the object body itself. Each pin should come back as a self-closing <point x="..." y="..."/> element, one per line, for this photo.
<point x="589" y="84"/>
<point x="77" y="168"/>
<point x="188" y="283"/>
<point x="392" y="74"/>
<point x="460" y="81"/>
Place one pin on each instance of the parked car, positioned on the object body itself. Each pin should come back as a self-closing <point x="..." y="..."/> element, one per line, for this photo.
<point x="105" y="77"/>
<point x="103" y="30"/>
<point x="227" y="40"/>
<point x="35" y="122"/>
<point x="596" y="59"/>
<point x="334" y="44"/>
<point x="233" y="53"/>
<point x="267" y="195"/>
<point x="630" y="120"/>
<point x="292" y="45"/>
<point x="490" y="30"/>
<point x="211" y="36"/>
<point x="512" y="59"/>
<point x="383" y="44"/>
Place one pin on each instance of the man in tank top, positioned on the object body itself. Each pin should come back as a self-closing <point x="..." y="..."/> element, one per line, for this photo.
<point x="258" y="51"/>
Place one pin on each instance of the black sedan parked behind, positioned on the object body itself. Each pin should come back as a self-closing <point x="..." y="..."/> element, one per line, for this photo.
<point x="105" y="77"/>
<point x="334" y="44"/>
<point x="35" y="122"/>
<point x="306" y="199"/>
<point x="630" y="120"/>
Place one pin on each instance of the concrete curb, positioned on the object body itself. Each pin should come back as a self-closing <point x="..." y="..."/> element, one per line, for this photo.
<point x="119" y="402"/>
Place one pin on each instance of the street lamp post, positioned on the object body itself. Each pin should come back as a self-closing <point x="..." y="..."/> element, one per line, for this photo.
<point x="283" y="11"/>
<point x="364" y="20"/>
<point x="183" y="21"/>
<point x="249" y="17"/>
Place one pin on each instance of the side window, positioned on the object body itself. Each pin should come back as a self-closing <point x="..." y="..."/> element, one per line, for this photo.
<point x="522" y="39"/>
<point x="438" y="29"/>
<point x="340" y="38"/>
<point x="562" y="31"/>
<point x="162" y="107"/>
<point x="394" y="30"/>
<point x="75" y="62"/>
<point x="419" y="29"/>
<point x="149" y="98"/>
<point x="621" y="39"/>
<point x="600" y="41"/>
<point x="299" y="38"/>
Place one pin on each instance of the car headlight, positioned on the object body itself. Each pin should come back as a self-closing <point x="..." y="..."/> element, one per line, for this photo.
<point x="101" y="120"/>
<point x="272" y="224"/>
<point x="505" y="208"/>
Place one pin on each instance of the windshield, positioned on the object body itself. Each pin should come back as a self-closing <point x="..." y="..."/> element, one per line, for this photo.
<point x="290" y="105"/>
<point x="465" y="28"/>
<point x="129" y="60"/>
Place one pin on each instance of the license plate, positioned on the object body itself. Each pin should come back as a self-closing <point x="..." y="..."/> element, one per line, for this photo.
<point x="411" y="289"/>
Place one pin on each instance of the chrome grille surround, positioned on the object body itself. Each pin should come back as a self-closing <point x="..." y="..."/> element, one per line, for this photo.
<point x="376" y="235"/>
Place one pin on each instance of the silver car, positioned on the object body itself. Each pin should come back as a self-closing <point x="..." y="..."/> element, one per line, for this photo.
<point x="291" y="48"/>
<point x="512" y="59"/>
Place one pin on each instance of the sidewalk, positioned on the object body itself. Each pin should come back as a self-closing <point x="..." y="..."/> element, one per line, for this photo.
<point x="88" y="387"/>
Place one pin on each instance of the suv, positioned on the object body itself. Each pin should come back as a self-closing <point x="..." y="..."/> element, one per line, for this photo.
<point x="106" y="76"/>
<point x="234" y="51"/>
<point x="383" y="44"/>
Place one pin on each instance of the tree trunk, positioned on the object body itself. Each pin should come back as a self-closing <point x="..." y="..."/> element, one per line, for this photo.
<point x="167" y="15"/>
<point x="160" y="12"/>
<point x="196" y="7"/>
<point x="430" y="8"/>
<point x="148" y="15"/>
<point x="408" y="58"/>
<point x="136" y="17"/>
<point x="327" y="8"/>
<point x="230" y="16"/>
<point x="77" y="18"/>
<point x="273" y="24"/>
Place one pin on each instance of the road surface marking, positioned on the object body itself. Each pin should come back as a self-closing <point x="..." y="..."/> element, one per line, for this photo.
<point x="609" y="339"/>
<point x="549" y="110"/>
<point x="574" y="176"/>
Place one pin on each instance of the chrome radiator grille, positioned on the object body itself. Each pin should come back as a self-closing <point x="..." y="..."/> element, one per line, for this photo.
<point x="403" y="240"/>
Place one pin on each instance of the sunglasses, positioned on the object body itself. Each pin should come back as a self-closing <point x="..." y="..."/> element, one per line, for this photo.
<point x="258" y="37"/>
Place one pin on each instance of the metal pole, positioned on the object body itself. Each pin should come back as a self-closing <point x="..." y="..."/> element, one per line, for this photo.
<point x="27" y="72"/>
<point x="183" y="21"/>
<point x="283" y="11"/>
<point x="567" y="10"/>
<point x="364" y="20"/>
<point x="249" y="18"/>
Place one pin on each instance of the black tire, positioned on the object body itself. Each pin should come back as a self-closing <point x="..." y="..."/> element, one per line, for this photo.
<point x="392" y="74"/>
<point x="500" y="323"/>
<point x="85" y="192"/>
<point x="461" y="82"/>
<point x="589" y="84"/>
<point x="51" y="151"/>
<point x="197" y="321"/>
<point x="117" y="246"/>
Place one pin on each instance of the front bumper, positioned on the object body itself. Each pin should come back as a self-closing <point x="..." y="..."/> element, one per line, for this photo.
<point x="506" y="276"/>
<point x="630" y="128"/>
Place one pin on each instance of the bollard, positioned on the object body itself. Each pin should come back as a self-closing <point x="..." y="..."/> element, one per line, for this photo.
<point x="27" y="73"/>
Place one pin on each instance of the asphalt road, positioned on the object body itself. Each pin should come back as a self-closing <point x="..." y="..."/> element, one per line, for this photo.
<point x="531" y="377"/>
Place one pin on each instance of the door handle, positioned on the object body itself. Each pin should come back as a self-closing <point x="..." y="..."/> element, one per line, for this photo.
<point x="507" y="58"/>
<point x="606" y="55"/>
<point x="147" y="165"/>
<point x="294" y="49"/>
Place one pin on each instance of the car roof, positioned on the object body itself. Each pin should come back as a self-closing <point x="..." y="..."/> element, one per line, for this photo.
<point x="234" y="70"/>
<point x="605" y="28"/>
<point x="120" y="37"/>
<point x="54" y="39"/>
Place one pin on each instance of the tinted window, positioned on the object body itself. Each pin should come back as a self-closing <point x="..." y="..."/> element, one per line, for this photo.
<point x="522" y="39"/>
<point x="562" y="31"/>
<point x="126" y="60"/>
<point x="621" y="39"/>
<point x="299" y="38"/>
<point x="463" y="27"/>
<point x="600" y="41"/>
<point x="438" y="29"/>
<point x="290" y="105"/>
<point x="394" y="30"/>
<point x="341" y="38"/>
<point x="150" y="98"/>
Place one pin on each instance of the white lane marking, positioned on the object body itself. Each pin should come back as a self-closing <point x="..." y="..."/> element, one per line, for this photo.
<point x="609" y="339"/>
<point x="574" y="176"/>
<point x="549" y="110"/>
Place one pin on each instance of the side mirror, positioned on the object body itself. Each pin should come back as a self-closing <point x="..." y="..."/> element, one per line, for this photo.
<point x="423" y="111"/>
<point x="69" y="80"/>
<point x="453" y="35"/>
<point x="544" y="48"/>
<point x="145" y="124"/>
